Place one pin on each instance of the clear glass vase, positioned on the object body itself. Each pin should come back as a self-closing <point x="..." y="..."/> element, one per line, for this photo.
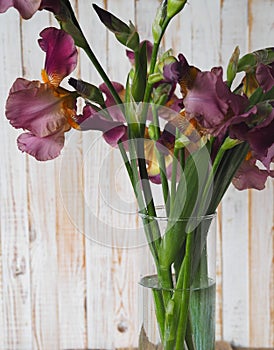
<point x="177" y="292"/>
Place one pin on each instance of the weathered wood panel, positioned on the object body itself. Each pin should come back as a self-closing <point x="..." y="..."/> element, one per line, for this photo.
<point x="68" y="274"/>
<point x="235" y="303"/>
<point x="16" y="288"/>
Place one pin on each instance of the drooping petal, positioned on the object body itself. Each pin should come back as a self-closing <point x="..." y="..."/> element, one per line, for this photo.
<point x="61" y="54"/>
<point x="115" y="111"/>
<point x="268" y="159"/>
<point x="113" y="131"/>
<point x="260" y="137"/>
<point x="118" y="133"/>
<point x="93" y="120"/>
<point x="51" y="5"/>
<point x="109" y="98"/>
<point x="26" y="8"/>
<point x="250" y="176"/>
<point x="37" y="107"/>
<point x="42" y="148"/>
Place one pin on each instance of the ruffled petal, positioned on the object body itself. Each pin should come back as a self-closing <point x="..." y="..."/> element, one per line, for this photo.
<point x="61" y="54"/>
<point x="42" y="148"/>
<point x="212" y="103"/>
<point x="36" y="107"/>
<point x="260" y="137"/>
<point x="250" y="176"/>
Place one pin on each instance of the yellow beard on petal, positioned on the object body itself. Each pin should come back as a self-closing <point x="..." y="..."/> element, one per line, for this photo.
<point x="54" y="79"/>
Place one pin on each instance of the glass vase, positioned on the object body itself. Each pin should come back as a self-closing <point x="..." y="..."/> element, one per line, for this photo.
<point x="177" y="297"/>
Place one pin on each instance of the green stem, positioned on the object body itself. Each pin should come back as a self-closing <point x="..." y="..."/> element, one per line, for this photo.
<point x="161" y="161"/>
<point x="189" y="335"/>
<point x="102" y="73"/>
<point x="153" y="61"/>
<point x="183" y="318"/>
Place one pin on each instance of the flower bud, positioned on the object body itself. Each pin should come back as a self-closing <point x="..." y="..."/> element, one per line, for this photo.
<point x="127" y="35"/>
<point x="88" y="91"/>
<point x="174" y="7"/>
<point x="232" y="66"/>
<point x="158" y="21"/>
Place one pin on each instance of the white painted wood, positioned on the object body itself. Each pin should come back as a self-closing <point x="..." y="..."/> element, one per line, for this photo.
<point x="235" y="315"/>
<point x="261" y="237"/>
<point x="41" y="199"/>
<point x="16" y="288"/>
<point x="67" y="279"/>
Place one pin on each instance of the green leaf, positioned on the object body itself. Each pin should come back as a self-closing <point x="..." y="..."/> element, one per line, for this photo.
<point x="126" y="35"/>
<point x="140" y="74"/>
<point x="229" y="165"/>
<point x="188" y="195"/>
<point x="249" y="62"/>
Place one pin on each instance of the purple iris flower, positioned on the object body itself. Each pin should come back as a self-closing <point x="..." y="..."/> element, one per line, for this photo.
<point x="45" y="109"/>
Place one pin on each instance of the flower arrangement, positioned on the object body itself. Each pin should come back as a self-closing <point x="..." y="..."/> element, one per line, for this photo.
<point x="193" y="144"/>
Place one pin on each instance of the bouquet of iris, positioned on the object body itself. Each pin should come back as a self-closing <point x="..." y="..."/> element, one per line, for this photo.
<point x="191" y="132"/>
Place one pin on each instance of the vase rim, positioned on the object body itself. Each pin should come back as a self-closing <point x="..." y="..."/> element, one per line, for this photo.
<point x="163" y="217"/>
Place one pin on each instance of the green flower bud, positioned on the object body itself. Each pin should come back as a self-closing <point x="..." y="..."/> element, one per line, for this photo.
<point x="232" y="66"/>
<point x="127" y="35"/>
<point x="158" y="21"/>
<point x="174" y="7"/>
<point x="88" y="91"/>
<point x="230" y="143"/>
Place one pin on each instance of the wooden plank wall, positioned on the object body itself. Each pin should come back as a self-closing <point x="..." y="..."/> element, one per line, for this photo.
<point x="68" y="272"/>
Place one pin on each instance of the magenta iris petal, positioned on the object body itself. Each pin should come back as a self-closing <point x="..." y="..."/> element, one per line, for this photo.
<point x="61" y="53"/>
<point x="34" y="106"/>
<point x="26" y="8"/>
<point x="92" y="120"/>
<point x="5" y="4"/>
<point x="113" y="131"/>
<point x="118" y="133"/>
<point x="42" y="148"/>
<point x="109" y="98"/>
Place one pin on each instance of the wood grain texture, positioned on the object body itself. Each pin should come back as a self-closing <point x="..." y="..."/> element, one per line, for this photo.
<point x="68" y="268"/>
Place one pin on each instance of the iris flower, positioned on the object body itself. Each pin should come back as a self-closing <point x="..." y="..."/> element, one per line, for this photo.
<point x="27" y="8"/>
<point x="45" y="109"/>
